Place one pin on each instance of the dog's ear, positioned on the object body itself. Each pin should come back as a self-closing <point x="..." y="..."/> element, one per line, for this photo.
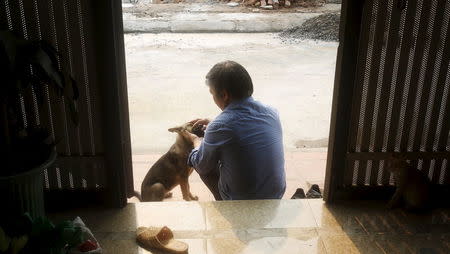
<point x="176" y="129"/>
<point x="188" y="127"/>
<point x="399" y="156"/>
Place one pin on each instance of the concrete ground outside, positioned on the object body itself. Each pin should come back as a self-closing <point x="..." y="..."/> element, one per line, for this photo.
<point x="166" y="83"/>
<point x="166" y="88"/>
<point x="212" y="16"/>
<point x="302" y="170"/>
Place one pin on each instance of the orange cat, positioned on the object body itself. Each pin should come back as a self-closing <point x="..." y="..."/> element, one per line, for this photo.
<point x="413" y="187"/>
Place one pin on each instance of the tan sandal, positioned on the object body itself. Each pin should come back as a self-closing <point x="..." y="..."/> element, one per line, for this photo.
<point x="160" y="238"/>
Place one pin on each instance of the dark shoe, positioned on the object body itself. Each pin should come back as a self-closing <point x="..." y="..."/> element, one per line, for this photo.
<point x="299" y="194"/>
<point x="314" y="192"/>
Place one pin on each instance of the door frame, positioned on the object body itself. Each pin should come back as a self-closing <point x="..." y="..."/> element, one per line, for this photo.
<point x="110" y="54"/>
<point x="344" y="81"/>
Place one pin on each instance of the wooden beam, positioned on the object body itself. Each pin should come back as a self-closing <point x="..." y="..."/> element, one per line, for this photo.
<point x="79" y="161"/>
<point x="407" y="155"/>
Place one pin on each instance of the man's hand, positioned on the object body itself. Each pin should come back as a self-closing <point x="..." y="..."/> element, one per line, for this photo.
<point x="203" y="123"/>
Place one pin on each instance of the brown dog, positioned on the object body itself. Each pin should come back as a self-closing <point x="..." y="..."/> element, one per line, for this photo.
<point x="171" y="169"/>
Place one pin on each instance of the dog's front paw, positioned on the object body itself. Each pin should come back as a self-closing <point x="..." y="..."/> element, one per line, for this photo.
<point x="190" y="197"/>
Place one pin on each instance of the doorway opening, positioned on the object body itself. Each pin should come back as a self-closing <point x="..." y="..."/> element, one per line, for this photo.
<point x="290" y="54"/>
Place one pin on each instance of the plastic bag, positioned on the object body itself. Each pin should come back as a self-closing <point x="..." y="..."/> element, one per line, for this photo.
<point x="87" y="235"/>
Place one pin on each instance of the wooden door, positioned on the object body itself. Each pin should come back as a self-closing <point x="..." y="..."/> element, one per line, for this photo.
<point x="94" y="158"/>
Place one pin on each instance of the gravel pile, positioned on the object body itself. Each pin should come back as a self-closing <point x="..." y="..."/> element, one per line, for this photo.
<point x="324" y="27"/>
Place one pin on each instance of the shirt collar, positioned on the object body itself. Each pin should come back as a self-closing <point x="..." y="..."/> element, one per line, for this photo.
<point x="236" y="103"/>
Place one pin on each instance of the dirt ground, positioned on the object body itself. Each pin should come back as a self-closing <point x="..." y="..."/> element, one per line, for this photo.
<point x="166" y="75"/>
<point x="324" y="27"/>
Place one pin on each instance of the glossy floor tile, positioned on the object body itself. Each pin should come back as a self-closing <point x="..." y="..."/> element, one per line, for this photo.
<point x="176" y="215"/>
<point x="272" y="227"/>
<point x="426" y="243"/>
<point x="334" y="219"/>
<point x="259" y="214"/>
<point x="349" y="244"/>
<point x="272" y="245"/>
<point x="125" y="246"/>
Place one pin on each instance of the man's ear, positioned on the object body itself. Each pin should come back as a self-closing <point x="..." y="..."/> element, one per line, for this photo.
<point x="225" y="96"/>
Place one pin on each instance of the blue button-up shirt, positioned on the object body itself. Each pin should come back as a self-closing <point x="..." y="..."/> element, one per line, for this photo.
<point x="245" y="144"/>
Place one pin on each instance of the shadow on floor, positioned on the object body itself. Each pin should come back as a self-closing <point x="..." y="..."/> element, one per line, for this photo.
<point x="369" y="227"/>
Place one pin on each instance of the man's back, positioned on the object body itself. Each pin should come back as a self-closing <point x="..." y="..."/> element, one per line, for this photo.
<point x="245" y="140"/>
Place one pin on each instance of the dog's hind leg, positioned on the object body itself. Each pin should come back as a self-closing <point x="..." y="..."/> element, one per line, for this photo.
<point x="155" y="192"/>
<point x="185" y="190"/>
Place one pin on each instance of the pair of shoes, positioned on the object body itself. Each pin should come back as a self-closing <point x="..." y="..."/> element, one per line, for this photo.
<point x="299" y="194"/>
<point x="313" y="192"/>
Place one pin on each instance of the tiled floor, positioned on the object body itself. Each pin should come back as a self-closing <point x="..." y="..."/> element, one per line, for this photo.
<point x="273" y="226"/>
<point x="301" y="167"/>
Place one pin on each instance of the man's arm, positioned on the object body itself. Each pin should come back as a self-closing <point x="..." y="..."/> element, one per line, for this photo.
<point x="206" y="157"/>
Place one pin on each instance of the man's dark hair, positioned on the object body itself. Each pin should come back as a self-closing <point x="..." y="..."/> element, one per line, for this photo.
<point x="232" y="77"/>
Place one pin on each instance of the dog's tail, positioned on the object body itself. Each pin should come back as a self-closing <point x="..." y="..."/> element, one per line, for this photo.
<point x="138" y="195"/>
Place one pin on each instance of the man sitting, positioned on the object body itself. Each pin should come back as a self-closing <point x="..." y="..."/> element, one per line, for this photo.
<point x="241" y="155"/>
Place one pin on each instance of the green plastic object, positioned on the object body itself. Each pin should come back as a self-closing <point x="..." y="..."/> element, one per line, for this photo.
<point x="25" y="192"/>
<point x="4" y="241"/>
